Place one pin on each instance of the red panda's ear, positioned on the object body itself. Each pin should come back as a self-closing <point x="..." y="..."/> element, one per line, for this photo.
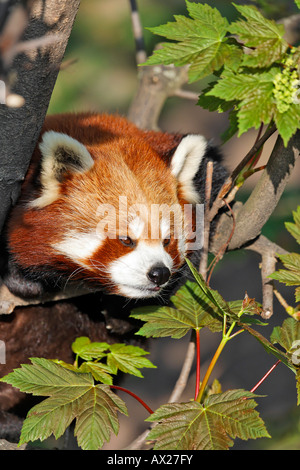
<point x="185" y="163"/>
<point x="61" y="155"/>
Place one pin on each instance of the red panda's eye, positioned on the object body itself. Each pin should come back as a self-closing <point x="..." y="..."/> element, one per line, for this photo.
<point x="127" y="241"/>
<point x="166" y="241"/>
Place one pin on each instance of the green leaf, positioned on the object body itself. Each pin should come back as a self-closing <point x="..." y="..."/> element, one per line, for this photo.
<point x="298" y="3"/>
<point x="213" y="103"/>
<point x="193" y="310"/>
<point x="97" y="417"/>
<point x="288" y="122"/>
<point x="100" y="372"/>
<point x="288" y="336"/>
<point x="45" y="377"/>
<point x="72" y="395"/>
<point x="88" y="350"/>
<point x="215" y="298"/>
<point x="264" y="37"/>
<point x="294" y="229"/>
<point x="268" y="346"/>
<point x="207" y="426"/>
<point x="289" y="278"/>
<point x="255" y="95"/>
<point x="291" y="275"/>
<point x="128" y="359"/>
<point x="201" y="42"/>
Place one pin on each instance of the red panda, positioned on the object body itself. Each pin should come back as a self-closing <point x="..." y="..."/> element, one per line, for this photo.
<point x="92" y="207"/>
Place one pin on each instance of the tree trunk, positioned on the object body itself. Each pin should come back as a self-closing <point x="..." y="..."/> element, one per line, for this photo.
<point x="33" y="73"/>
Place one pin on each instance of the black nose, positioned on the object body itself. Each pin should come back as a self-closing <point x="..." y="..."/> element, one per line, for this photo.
<point x="159" y="274"/>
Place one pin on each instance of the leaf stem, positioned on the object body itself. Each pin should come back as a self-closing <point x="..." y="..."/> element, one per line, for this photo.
<point x="265" y="376"/>
<point x="198" y="363"/>
<point x="210" y="369"/>
<point x="226" y="337"/>
<point x="122" y="389"/>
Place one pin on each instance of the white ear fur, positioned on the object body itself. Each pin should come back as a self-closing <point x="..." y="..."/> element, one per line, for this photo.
<point x="61" y="154"/>
<point x="185" y="163"/>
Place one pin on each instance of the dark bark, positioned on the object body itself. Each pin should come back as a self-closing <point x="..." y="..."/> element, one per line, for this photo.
<point x="34" y="72"/>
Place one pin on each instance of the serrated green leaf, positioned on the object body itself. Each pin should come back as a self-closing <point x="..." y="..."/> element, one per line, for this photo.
<point x="44" y="377"/>
<point x="264" y="37"/>
<point x="213" y="103"/>
<point x="294" y="229"/>
<point x="97" y="417"/>
<point x="128" y="359"/>
<point x="201" y="42"/>
<point x="95" y="411"/>
<point x="291" y="261"/>
<point x="288" y="336"/>
<point x="193" y="311"/>
<point x="268" y="346"/>
<point x="288" y="122"/>
<point x="257" y="107"/>
<point x="287" y="277"/>
<point x="89" y="350"/>
<point x="237" y="86"/>
<point x="214" y="296"/>
<point x="100" y="372"/>
<point x="256" y="101"/>
<point x="72" y="395"/>
<point x="207" y="426"/>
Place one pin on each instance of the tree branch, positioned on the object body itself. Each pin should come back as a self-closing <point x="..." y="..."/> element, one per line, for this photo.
<point x="267" y="192"/>
<point x="156" y="84"/>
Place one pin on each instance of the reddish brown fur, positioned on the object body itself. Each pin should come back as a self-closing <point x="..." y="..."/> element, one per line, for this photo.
<point x="125" y="155"/>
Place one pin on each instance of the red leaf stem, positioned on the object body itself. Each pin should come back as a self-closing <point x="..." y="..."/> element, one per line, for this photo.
<point x="134" y="396"/>
<point x="265" y="376"/>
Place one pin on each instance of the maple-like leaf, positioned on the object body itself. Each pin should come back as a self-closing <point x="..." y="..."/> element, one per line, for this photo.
<point x="192" y="310"/>
<point x="72" y="395"/>
<point x="208" y="426"/>
<point x="263" y="37"/>
<point x="201" y="42"/>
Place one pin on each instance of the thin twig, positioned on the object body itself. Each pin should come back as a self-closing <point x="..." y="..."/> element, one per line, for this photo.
<point x="229" y="183"/>
<point x="223" y="248"/>
<point x="186" y="94"/>
<point x="137" y="30"/>
<point x="268" y="266"/>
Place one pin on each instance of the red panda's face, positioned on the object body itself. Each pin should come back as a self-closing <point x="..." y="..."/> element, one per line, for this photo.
<point x="112" y="214"/>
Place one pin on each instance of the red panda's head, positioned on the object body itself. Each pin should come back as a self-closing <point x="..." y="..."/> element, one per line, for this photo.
<point x="111" y="213"/>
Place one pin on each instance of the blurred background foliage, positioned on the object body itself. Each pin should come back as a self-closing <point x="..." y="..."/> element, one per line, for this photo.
<point x="100" y="74"/>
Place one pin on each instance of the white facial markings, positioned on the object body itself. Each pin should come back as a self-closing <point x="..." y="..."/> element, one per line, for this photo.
<point x="79" y="246"/>
<point x="129" y="272"/>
